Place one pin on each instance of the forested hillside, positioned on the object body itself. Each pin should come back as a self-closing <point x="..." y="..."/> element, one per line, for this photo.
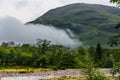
<point x="91" y="23"/>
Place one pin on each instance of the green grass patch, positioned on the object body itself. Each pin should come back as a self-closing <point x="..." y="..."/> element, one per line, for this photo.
<point x="21" y="69"/>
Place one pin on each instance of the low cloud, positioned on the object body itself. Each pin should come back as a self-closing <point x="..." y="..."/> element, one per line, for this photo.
<point x="12" y="29"/>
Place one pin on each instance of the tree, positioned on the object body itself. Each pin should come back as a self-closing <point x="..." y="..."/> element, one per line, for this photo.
<point x="68" y="60"/>
<point x="26" y="59"/>
<point x="91" y="73"/>
<point x="116" y="70"/>
<point x="115" y="40"/>
<point x="11" y="43"/>
<point x="42" y="61"/>
<point x="115" y="1"/>
<point x="43" y="46"/>
<point x="82" y="51"/>
<point x="4" y="44"/>
<point x="91" y="51"/>
<point x="98" y="52"/>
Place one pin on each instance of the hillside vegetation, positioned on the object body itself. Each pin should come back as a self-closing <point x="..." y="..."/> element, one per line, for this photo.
<point x="92" y="23"/>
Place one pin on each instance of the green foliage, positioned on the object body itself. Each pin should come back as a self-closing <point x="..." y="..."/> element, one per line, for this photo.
<point x="43" y="61"/>
<point x="68" y="60"/>
<point x="114" y="40"/>
<point x="91" y="72"/>
<point x="42" y="46"/>
<point x="91" y="51"/>
<point x="99" y="51"/>
<point x="116" y="1"/>
<point x="116" y="69"/>
<point x="99" y="76"/>
<point x="55" y="56"/>
<point x="99" y="54"/>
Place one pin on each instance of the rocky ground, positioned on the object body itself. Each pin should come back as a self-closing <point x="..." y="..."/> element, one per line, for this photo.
<point x="45" y="74"/>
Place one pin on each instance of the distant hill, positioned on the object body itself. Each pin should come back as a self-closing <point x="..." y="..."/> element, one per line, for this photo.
<point x="92" y="23"/>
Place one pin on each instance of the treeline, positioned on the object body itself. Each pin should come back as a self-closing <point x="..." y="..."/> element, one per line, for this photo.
<point x="46" y="55"/>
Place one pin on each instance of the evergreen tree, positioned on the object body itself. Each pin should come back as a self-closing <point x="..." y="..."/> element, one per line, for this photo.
<point x="98" y="55"/>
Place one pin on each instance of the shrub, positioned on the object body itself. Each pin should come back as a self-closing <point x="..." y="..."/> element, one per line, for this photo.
<point x="54" y="68"/>
<point x="99" y="76"/>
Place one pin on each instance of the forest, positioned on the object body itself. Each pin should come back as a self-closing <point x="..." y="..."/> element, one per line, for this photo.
<point x="43" y="54"/>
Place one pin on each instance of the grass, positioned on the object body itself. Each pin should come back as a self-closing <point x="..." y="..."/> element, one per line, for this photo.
<point x="21" y="69"/>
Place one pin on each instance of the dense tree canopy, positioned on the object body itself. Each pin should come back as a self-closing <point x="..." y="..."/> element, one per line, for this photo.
<point x="46" y="55"/>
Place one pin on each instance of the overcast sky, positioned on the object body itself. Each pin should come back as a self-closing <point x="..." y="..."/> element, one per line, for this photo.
<point x="27" y="10"/>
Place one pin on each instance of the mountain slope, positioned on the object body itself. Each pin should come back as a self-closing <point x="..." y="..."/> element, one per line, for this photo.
<point x="91" y="23"/>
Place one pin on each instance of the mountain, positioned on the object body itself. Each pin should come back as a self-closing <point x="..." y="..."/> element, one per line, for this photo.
<point x="92" y="23"/>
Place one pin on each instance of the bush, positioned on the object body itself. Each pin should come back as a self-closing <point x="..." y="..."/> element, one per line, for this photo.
<point x="95" y="75"/>
<point x="116" y="70"/>
<point x="68" y="61"/>
<point x="92" y="73"/>
<point x="99" y="76"/>
<point x="54" y="68"/>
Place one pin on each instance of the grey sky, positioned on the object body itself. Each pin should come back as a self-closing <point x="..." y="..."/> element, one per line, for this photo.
<point x="26" y="10"/>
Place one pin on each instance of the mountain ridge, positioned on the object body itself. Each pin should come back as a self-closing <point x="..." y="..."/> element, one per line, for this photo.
<point x="92" y="23"/>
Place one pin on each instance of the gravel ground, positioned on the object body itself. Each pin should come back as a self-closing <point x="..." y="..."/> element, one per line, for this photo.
<point x="46" y="74"/>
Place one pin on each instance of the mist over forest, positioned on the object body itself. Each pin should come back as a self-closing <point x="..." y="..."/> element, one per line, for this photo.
<point x="14" y="30"/>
